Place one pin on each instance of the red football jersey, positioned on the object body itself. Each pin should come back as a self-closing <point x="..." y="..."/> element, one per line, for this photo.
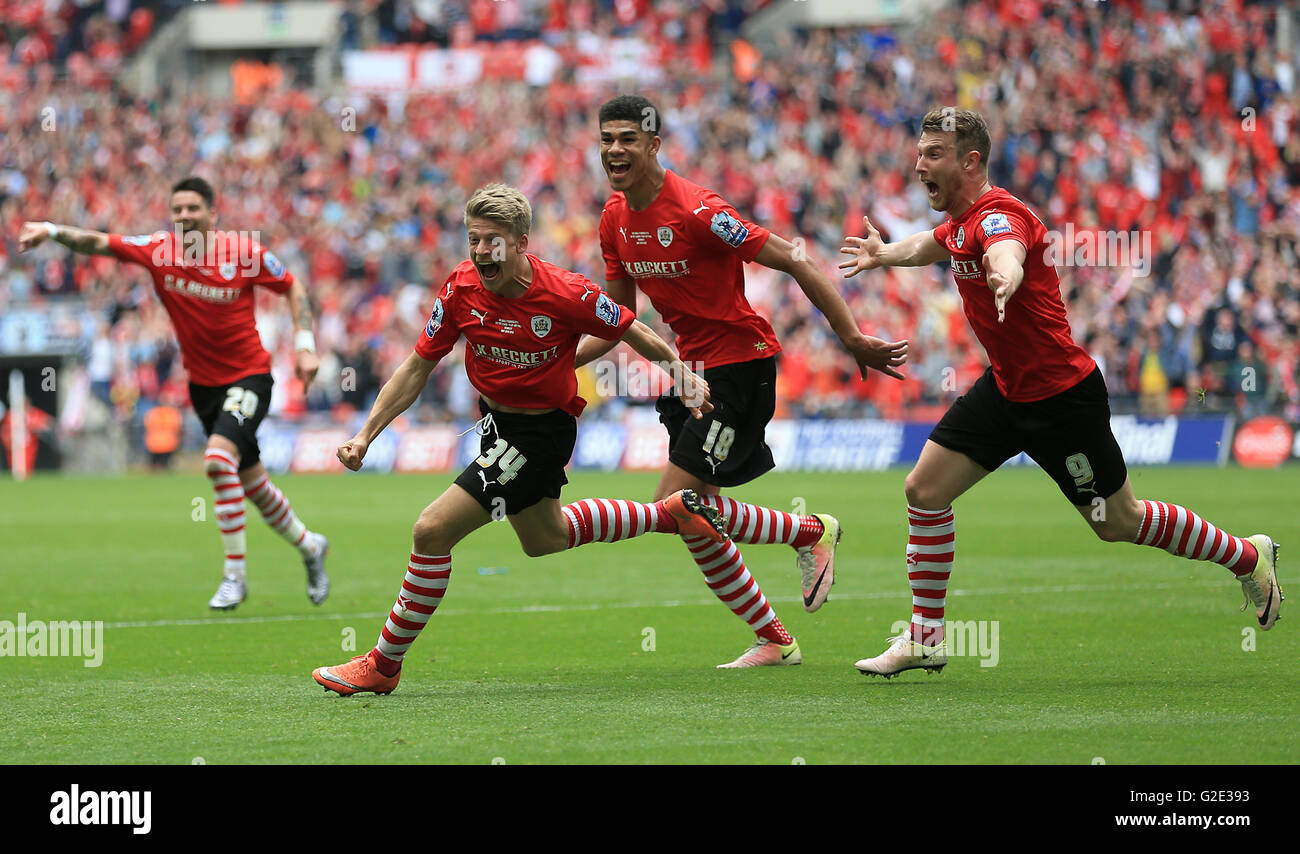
<point x="519" y="352"/>
<point x="686" y="252"/>
<point x="1032" y="351"/>
<point x="211" y="306"/>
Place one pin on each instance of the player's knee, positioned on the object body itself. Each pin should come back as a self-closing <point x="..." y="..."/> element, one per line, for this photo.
<point x="428" y="537"/>
<point x="213" y="465"/>
<point x="921" y="494"/>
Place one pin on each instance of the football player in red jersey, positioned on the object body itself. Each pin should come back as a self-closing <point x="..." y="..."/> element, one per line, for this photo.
<point x="205" y="279"/>
<point x="1043" y="394"/>
<point x="521" y="319"/>
<point x="685" y="248"/>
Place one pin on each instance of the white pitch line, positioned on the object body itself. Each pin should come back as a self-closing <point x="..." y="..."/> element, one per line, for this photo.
<point x="675" y="603"/>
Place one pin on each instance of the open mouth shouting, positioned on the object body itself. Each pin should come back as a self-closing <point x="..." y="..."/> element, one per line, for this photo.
<point x="931" y="188"/>
<point x="619" y="167"/>
<point x="489" y="271"/>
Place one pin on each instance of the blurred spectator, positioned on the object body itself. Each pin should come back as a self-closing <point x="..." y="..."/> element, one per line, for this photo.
<point x="162" y="435"/>
<point x="1248" y="378"/>
<point x="1220" y="341"/>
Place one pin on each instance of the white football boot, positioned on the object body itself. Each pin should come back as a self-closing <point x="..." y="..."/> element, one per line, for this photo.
<point x="905" y="654"/>
<point x="228" y="595"/>
<point x="318" y="583"/>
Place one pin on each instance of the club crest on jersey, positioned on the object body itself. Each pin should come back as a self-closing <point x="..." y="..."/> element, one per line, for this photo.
<point x="273" y="264"/>
<point x="961" y="236"/>
<point x="607" y="309"/>
<point x="728" y="228"/>
<point x="435" y="319"/>
<point x="995" y="223"/>
<point x="541" y="325"/>
<point x="665" y="236"/>
<point x="227" y="271"/>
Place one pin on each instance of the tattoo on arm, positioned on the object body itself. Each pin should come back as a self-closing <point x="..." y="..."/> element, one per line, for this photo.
<point x="304" y="313"/>
<point x="301" y="306"/>
<point x="83" y="240"/>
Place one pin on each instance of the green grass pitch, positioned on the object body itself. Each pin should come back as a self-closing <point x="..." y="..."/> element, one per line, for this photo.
<point x="1110" y="651"/>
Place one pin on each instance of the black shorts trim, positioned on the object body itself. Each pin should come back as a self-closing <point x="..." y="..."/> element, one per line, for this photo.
<point x="235" y="411"/>
<point x="499" y="481"/>
<point x="727" y="446"/>
<point x="1068" y="435"/>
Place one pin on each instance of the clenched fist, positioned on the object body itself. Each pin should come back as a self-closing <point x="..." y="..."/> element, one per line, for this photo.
<point x="352" y="452"/>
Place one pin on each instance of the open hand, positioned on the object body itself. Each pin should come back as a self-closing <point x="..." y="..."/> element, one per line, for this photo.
<point x="1002" y="289"/>
<point x="306" y="364"/>
<point x="866" y="251"/>
<point x="693" y="392"/>
<point x="878" y="354"/>
<point x="31" y="235"/>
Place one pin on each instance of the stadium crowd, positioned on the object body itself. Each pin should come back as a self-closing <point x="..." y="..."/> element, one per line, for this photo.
<point x="1160" y="146"/>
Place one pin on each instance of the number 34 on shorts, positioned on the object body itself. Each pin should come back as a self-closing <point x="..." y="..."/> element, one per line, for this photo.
<point x="507" y="458"/>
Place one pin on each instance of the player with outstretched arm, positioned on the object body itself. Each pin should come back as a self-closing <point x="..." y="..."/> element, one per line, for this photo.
<point x="205" y="279"/>
<point x="521" y="319"/>
<point x="1043" y="395"/>
<point x="685" y="248"/>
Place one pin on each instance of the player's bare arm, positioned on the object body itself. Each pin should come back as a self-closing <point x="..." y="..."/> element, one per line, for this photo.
<point x="871" y="252"/>
<point x="394" y="398"/>
<point x="591" y="348"/>
<point x="691" y="388"/>
<point x="1004" y="268"/>
<point x="306" y="363"/>
<point x="869" y="352"/>
<point x="81" y="240"/>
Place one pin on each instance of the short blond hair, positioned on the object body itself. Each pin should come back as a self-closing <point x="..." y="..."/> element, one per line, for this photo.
<point x="969" y="128"/>
<point x="501" y="204"/>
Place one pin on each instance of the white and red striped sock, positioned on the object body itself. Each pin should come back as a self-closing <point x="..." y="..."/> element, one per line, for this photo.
<point x="931" y="544"/>
<point x="422" y="590"/>
<point x="223" y="470"/>
<point x="1181" y="532"/>
<point x="725" y="573"/>
<point x="748" y="523"/>
<point x="278" y="513"/>
<point x="608" y="520"/>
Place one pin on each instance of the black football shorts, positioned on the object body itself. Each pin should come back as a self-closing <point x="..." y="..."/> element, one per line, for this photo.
<point x="727" y="446"/>
<point x="1067" y="434"/>
<point x="235" y="411"/>
<point x="521" y="459"/>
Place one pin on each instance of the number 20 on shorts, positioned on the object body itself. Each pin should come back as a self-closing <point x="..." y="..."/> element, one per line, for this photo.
<point x="240" y="400"/>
